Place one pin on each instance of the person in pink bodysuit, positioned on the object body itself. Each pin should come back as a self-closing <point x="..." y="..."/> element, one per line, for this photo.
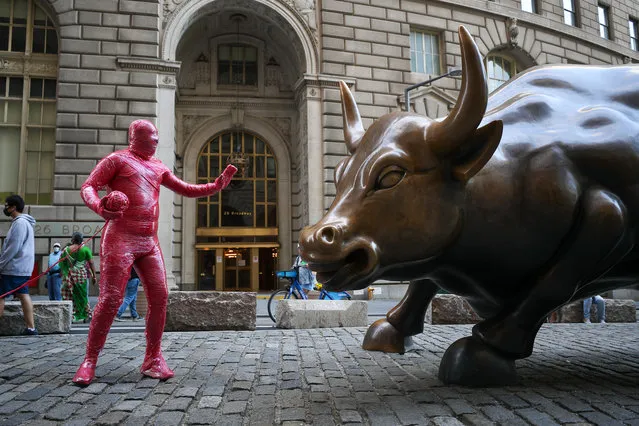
<point x="129" y="239"/>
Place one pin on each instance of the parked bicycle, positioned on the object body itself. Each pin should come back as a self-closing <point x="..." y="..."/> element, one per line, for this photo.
<point x="294" y="289"/>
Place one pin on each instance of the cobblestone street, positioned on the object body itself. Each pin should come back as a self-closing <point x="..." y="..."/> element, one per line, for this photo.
<point x="578" y="374"/>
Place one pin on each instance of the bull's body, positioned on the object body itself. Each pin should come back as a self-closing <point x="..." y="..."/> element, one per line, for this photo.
<point x="521" y="203"/>
<point x="561" y="136"/>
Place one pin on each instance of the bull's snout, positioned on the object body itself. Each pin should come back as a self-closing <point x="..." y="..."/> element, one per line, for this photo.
<point x="321" y="238"/>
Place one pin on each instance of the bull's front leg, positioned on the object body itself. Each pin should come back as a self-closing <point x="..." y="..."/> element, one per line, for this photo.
<point x="392" y="334"/>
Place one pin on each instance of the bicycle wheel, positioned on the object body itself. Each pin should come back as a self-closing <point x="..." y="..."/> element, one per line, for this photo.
<point x="276" y="297"/>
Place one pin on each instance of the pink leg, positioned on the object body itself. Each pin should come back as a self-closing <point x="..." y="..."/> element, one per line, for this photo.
<point x="152" y="274"/>
<point x="114" y="271"/>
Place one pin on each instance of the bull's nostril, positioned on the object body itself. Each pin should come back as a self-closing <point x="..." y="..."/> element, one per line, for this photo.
<point x="328" y="234"/>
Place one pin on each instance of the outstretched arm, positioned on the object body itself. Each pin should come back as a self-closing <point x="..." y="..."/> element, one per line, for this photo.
<point x="99" y="178"/>
<point x="177" y="185"/>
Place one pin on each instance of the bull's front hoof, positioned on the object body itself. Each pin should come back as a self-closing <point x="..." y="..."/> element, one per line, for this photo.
<point x="470" y="362"/>
<point x="383" y="336"/>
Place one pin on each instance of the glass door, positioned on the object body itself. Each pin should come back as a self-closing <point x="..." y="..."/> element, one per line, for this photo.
<point x="237" y="269"/>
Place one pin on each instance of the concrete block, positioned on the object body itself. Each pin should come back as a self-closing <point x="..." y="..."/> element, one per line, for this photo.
<point x="50" y="317"/>
<point x="370" y="35"/>
<point x="116" y="20"/>
<point x="68" y="75"/>
<point x="143" y="79"/>
<point x="114" y="77"/>
<point x="96" y="121"/>
<point x="90" y="18"/>
<point x="145" y="50"/>
<point x="65" y="150"/>
<point x="338" y="31"/>
<point x="357" y="21"/>
<point x="371" y="11"/>
<point x="64" y="182"/>
<point x="210" y="310"/>
<point x="124" y="121"/>
<point x="97" y="91"/>
<point x="74" y="166"/>
<point x="358" y="46"/>
<point x="333" y="18"/>
<point x="112" y="136"/>
<point x="65" y="197"/>
<point x="68" y="18"/>
<point x="335" y="69"/>
<point x="50" y="213"/>
<point x="387" y="50"/>
<point x="66" y="120"/>
<point x="77" y="105"/>
<point x="341" y="57"/>
<point x="140" y="21"/>
<point x="94" y="151"/>
<point x="97" y="6"/>
<point x="371" y="60"/>
<point x="359" y="71"/>
<point x="69" y="60"/>
<point x="71" y="31"/>
<point x="337" y="5"/>
<point x="113" y="107"/>
<point x="99" y="33"/>
<point x="61" y="6"/>
<point x="143" y="108"/>
<point x="140" y="7"/>
<point x="115" y="49"/>
<point x="321" y="313"/>
<point x="136" y="93"/>
<point x="80" y="46"/>
<point x="388" y="26"/>
<point x="138" y="35"/>
<point x="333" y="43"/>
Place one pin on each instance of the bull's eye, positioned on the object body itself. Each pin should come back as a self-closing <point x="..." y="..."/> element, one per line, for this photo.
<point x="389" y="177"/>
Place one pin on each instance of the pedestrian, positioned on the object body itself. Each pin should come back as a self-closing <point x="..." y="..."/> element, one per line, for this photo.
<point x="304" y="275"/>
<point x="77" y="268"/>
<point x="54" y="277"/>
<point x="130" y="298"/>
<point x="132" y="178"/>
<point x="600" y="303"/>
<point x="17" y="259"/>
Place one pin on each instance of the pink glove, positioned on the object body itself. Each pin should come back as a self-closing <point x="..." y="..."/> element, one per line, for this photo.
<point x="224" y="179"/>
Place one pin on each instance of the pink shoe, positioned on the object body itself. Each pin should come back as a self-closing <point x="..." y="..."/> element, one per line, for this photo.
<point x="85" y="374"/>
<point x="156" y="368"/>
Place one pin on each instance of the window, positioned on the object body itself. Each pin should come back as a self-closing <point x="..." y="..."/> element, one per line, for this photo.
<point x="252" y="202"/>
<point x="237" y="65"/>
<point x="529" y="6"/>
<point x="500" y="70"/>
<point x="570" y="15"/>
<point x="604" y="25"/>
<point x="28" y="102"/>
<point x="424" y="53"/>
<point x="634" y="34"/>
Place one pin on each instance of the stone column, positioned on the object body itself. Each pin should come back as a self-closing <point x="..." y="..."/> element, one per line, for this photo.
<point x="166" y="153"/>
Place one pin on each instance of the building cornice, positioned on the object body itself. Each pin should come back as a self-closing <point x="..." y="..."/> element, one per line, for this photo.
<point x="149" y="65"/>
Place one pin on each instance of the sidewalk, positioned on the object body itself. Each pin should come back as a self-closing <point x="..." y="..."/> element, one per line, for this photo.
<point x="579" y="374"/>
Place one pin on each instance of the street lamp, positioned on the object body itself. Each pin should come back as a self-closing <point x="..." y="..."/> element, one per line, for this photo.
<point x="455" y="72"/>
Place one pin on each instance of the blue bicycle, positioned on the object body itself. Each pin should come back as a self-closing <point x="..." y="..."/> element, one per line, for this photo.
<point x="294" y="289"/>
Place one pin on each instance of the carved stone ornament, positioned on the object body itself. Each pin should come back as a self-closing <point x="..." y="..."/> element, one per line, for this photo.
<point x="190" y="123"/>
<point x="513" y="31"/>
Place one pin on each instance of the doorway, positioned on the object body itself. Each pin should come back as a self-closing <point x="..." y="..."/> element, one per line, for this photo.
<point x="247" y="268"/>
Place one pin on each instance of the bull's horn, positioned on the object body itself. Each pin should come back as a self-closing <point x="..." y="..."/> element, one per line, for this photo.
<point x="353" y="128"/>
<point x="447" y="136"/>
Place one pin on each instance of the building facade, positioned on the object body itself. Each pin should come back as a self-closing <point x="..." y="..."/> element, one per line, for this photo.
<point x="253" y="82"/>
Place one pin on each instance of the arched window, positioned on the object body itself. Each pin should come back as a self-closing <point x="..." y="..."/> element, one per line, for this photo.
<point x="251" y="201"/>
<point x="501" y="68"/>
<point x="27" y="101"/>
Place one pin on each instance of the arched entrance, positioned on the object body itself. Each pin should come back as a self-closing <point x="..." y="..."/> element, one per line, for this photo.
<point x="237" y="230"/>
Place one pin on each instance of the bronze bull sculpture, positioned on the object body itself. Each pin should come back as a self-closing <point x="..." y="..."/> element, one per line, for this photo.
<point x="520" y="202"/>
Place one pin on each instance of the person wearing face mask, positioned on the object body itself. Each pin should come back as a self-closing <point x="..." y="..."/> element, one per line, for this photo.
<point x="54" y="279"/>
<point x="132" y="178"/>
<point x="17" y="258"/>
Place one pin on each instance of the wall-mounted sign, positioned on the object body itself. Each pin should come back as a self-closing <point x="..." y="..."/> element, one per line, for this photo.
<point x="219" y="259"/>
<point x="256" y="259"/>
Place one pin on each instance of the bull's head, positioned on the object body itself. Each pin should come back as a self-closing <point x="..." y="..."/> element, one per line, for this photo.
<point x="400" y="194"/>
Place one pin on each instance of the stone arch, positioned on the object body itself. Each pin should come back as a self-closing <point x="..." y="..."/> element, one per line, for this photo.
<point x="281" y="151"/>
<point x="185" y="15"/>
<point x="519" y="54"/>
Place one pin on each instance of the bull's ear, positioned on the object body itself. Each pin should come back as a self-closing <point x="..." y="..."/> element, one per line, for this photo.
<point x="353" y="128"/>
<point x="482" y="146"/>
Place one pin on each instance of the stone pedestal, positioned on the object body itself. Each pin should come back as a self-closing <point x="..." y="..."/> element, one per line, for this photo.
<point x="450" y="309"/>
<point x="321" y="313"/>
<point x="617" y="310"/>
<point x="210" y="310"/>
<point x="50" y="317"/>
